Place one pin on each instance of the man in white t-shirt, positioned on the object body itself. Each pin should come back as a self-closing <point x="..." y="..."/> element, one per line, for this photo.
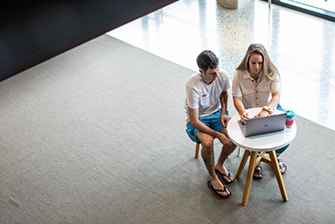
<point x="206" y="109"/>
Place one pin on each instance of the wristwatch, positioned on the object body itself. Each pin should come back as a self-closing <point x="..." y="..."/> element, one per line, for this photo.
<point x="268" y="109"/>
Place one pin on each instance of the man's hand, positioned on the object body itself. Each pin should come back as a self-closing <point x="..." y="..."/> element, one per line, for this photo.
<point x="224" y="140"/>
<point x="224" y="120"/>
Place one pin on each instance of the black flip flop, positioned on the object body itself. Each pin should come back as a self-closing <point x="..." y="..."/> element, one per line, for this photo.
<point x="216" y="191"/>
<point x="224" y="175"/>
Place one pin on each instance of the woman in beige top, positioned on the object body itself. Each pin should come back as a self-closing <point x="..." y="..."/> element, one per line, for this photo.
<point x="256" y="83"/>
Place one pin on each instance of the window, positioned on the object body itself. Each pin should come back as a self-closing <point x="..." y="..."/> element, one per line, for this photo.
<point x="321" y="8"/>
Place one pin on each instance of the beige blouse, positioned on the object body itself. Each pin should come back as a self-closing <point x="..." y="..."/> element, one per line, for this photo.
<point x="254" y="93"/>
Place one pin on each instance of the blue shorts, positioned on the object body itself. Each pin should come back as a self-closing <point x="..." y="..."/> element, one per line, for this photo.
<point x="213" y="121"/>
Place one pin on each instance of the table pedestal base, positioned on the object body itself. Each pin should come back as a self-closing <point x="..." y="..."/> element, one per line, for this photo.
<point x="255" y="159"/>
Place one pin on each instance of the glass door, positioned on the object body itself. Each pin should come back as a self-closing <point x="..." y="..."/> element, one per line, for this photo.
<point x="321" y="8"/>
<point x="328" y="5"/>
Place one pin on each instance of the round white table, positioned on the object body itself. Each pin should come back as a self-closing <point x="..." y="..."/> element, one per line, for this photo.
<point x="267" y="143"/>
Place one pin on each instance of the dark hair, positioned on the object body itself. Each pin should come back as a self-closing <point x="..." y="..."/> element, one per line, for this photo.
<point x="207" y="60"/>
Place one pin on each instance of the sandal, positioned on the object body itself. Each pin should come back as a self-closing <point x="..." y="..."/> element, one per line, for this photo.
<point x="222" y="175"/>
<point x="282" y="166"/>
<point x="258" y="172"/>
<point x="216" y="191"/>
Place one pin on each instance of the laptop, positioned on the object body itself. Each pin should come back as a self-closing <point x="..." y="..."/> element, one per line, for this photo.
<point x="263" y="125"/>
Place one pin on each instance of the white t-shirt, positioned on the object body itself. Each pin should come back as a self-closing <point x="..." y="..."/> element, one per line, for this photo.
<point x="204" y="97"/>
<point x="254" y="94"/>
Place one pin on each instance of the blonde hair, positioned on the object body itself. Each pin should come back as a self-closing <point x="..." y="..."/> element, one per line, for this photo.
<point x="269" y="69"/>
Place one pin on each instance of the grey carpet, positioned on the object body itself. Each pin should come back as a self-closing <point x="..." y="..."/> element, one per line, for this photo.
<point x="96" y="135"/>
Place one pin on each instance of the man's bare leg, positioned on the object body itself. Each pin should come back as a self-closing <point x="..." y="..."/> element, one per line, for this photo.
<point x="207" y="153"/>
<point x="225" y="152"/>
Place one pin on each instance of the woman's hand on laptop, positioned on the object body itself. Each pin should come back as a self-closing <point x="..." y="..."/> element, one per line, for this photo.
<point x="263" y="113"/>
<point x="244" y="117"/>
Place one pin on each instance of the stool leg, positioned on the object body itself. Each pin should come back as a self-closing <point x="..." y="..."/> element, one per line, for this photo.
<point x="197" y="147"/>
<point x="239" y="153"/>
<point x="249" y="178"/>
<point x="242" y="163"/>
<point x="275" y="165"/>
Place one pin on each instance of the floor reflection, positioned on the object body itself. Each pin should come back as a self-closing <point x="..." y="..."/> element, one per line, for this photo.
<point x="302" y="46"/>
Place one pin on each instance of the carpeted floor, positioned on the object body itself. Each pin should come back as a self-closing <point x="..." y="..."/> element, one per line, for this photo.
<point x="97" y="135"/>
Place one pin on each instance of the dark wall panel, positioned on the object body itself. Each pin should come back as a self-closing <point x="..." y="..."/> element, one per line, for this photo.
<point x="32" y="32"/>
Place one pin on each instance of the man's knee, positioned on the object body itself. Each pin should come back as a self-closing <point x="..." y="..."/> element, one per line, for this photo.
<point x="207" y="141"/>
<point x="207" y="144"/>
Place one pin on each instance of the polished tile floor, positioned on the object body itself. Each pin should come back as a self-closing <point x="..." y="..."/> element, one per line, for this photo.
<point x="302" y="46"/>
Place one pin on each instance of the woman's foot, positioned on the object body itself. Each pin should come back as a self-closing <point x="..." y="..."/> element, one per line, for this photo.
<point x="258" y="172"/>
<point x="282" y="166"/>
